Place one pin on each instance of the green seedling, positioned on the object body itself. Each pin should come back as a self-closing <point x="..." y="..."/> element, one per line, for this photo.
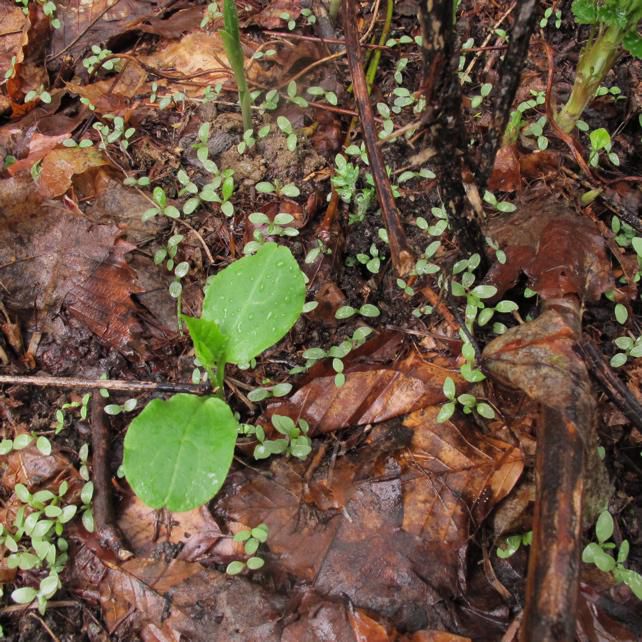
<point x="266" y="392"/>
<point x="115" y="409"/>
<point x="319" y="92"/>
<point x="248" y="307"/>
<point x="286" y="127"/>
<point x="548" y="14"/>
<point x="83" y="404"/>
<point x="340" y="351"/>
<point x="259" y="55"/>
<point x="500" y="206"/>
<point x="178" y="98"/>
<point x="372" y="260"/>
<point x="49" y="8"/>
<point x="22" y="441"/>
<point x="251" y="540"/>
<point x="265" y="229"/>
<point x="295" y="441"/>
<point x="39" y="94"/>
<point x="98" y="54"/>
<point x="271" y="100"/>
<point x="345" y="178"/>
<point x="291" y="23"/>
<point x="35" y="539"/>
<point x="437" y="228"/>
<point x="512" y="543"/>
<point x="131" y="181"/>
<point x="211" y="13"/>
<point x="180" y="270"/>
<point x="318" y="250"/>
<point x="116" y="134"/>
<point x="249" y="140"/>
<point x="599" y="554"/>
<point x="266" y="187"/>
<point x="630" y="348"/>
<point x="231" y="37"/>
<point x="292" y="95"/>
<point x="219" y="190"/>
<point x="468" y="403"/>
<point x="614" y="92"/>
<point x="159" y="197"/>
<point x="601" y="141"/>
<point x="614" y="27"/>
<point x="310" y="18"/>
<point x="366" y="310"/>
<point x="484" y="90"/>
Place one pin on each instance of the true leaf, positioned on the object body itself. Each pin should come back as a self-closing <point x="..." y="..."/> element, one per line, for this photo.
<point x="178" y="452"/>
<point x="604" y="527"/>
<point x="255" y="301"/>
<point x="209" y="342"/>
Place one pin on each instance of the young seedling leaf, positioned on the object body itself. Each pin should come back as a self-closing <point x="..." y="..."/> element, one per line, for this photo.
<point x="178" y="452"/>
<point x="255" y="301"/>
<point x="209" y="342"/>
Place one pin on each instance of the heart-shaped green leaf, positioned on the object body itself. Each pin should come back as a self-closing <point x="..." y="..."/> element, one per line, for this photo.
<point x="178" y="452"/>
<point x="255" y="301"/>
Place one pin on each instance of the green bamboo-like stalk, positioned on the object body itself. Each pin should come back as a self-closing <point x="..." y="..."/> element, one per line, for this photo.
<point x="595" y="61"/>
<point x="232" y="43"/>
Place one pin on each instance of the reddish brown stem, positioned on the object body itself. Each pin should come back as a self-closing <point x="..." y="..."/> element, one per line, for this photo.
<point x="401" y="255"/>
<point x="109" y="535"/>
<point x="553" y="565"/>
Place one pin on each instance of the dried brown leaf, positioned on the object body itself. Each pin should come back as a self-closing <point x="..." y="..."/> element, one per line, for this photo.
<point x="372" y="393"/>
<point x="51" y="256"/>
<point x="561" y="253"/>
<point x="60" y="165"/>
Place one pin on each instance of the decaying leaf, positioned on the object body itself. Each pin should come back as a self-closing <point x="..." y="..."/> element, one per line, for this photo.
<point x="192" y="55"/>
<point x="458" y="476"/>
<point x="195" y="531"/>
<point x="372" y="393"/>
<point x="80" y="27"/>
<point x="113" y="95"/>
<point x="51" y="256"/>
<point x="506" y="176"/>
<point x="61" y="164"/>
<point x="175" y="600"/>
<point x="561" y="253"/>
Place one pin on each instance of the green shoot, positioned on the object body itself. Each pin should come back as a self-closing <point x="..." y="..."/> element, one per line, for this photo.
<point x="232" y="43"/>
<point x="614" y="27"/>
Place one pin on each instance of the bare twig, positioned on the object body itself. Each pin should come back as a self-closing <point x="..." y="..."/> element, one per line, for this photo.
<point x="401" y="255"/>
<point x="114" y="385"/>
<point x="617" y="392"/>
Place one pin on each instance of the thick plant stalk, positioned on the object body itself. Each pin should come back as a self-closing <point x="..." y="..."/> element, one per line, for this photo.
<point x="595" y="61"/>
<point x="540" y="359"/>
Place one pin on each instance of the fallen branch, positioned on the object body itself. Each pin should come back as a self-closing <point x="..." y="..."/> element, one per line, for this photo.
<point x="400" y="253"/>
